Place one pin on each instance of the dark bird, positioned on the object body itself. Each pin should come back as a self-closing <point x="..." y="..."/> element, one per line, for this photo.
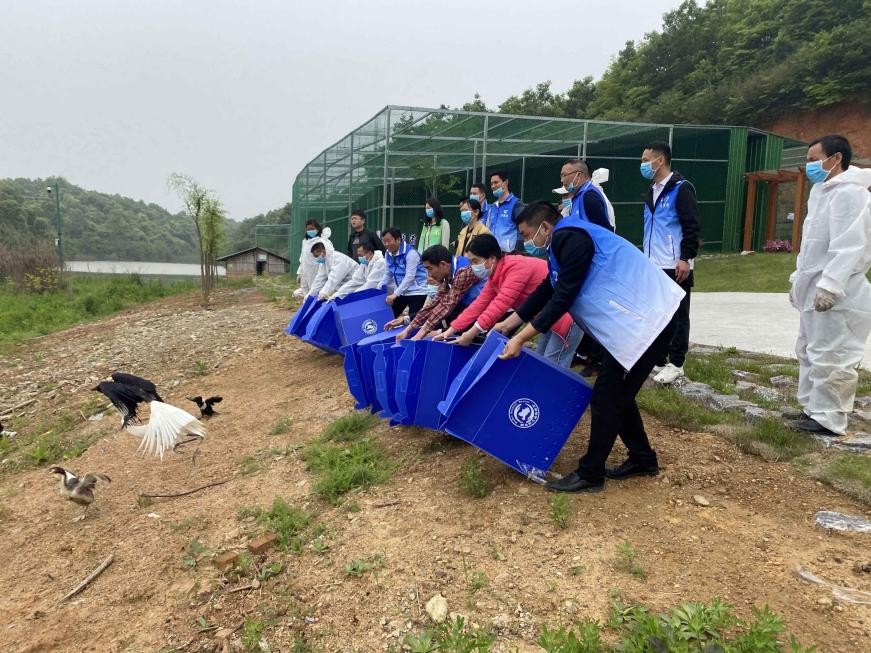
<point x="145" y="385"/>
<point x="126" y="398"/>
<point x="78" y="490"/>
<point x="11" y="434"/>
<point x="205" y="405"/>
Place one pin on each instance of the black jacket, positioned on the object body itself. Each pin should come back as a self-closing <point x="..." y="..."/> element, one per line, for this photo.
<point x="366" y="237"/>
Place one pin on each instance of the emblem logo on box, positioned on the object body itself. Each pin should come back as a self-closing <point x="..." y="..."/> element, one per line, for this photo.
<point x="524" y="413"/>
<point x="370" y="327"/>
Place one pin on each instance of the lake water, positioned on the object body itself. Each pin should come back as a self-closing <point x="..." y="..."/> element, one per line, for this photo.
<point x="148" y="268"/>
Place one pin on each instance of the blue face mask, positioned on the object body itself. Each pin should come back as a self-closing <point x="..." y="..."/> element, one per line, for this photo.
<point x="647" y="170"/>
<point x="430" y="213"/>
<point x="311" y="233"/>
<point x="498" y="193"/>
<point x="567" y="202"/>
<point x="363" y="260"/>
<point x="465" y="216"/>
<point x="480" y="271"/>
<point x="815" y="171"/>
<point x="431" y="290"/>
<point x="532" y="248"/>
<point x="320" y="260"/>
<point x="475" y="197"/>
<point x="571" y="187"/>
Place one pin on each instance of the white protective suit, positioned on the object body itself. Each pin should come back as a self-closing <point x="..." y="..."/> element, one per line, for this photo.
<point x="600" y="176"/>
<point x="335" y="271"/>
<point x="365" y="276"/>
<point x="308" y="267"/>
<point x="835" y="256"/>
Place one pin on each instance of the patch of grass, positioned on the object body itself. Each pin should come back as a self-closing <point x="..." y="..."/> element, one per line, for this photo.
<point x="627" y="560"/>
<point x="713" y="370"/>
<point x="201" y="367"/>
<point x="346" y="467"/>
<point x="848" y="472"/>
<point x="252" y="633"/>
<point x="85" y="298"/>
<point x="362" y="566"/>
<point x="287" y="522"/>
<point x="195" y="552"/>
<point x="453" y="636"/>
<point x="478" y="581"/>
<point x="560" y="510"/>
<point x="51" y="441"/>
<point x="472" y="480"/>
<point x="249" y="465"/>
<point x="774" y="440"/>
<point x="349" y="427"/>
<point x="760" y="272"/>
<point x="351" y="506"/>
<point x="280" y="427"/>
<point x="587" y="639"/>
<point x="184" y="525"/>
<point x="577" y="570"/>
<point x="95" y="404"/>
<point x="268" y="571"/>
<point x="244" y="567"/>
<point x="676" y="410"/>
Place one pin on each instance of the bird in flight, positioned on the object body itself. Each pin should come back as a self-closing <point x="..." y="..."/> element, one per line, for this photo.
<point x="205" y="405"/>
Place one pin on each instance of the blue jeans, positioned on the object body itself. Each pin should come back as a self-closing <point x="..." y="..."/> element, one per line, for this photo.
<point x="552" y="347"/>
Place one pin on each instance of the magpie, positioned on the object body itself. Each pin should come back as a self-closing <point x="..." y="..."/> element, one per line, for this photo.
<point x="205" y="405"/>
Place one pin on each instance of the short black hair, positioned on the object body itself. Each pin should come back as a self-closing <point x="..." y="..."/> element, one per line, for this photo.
<point x="359" y="212"/>
<point x="537" y="212"/>
<point x="579" y="163"/>
<point x="317" y="245"/>
<point x="436" y="207"/>
<point x="501" y="174"/>
<point x="475" y="205"/>
<point x="481" y="187"/>
<point x="661" y="147"/>
<point x="435" y="255"/>
<point x="485" y="246"/>
<point x="366" y="247"/>
<point x="834" y="143"/>
<point x="393" y="232"/>
<point x="311" y="222"/>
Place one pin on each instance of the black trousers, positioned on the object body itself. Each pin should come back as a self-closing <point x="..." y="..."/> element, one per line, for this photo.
<point x="680" y="324"/>
<point x="614" y="412"/>
<point x="413" y="302"/>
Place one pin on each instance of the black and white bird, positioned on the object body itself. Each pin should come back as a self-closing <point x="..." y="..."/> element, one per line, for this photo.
<point x="11" y="434"/>
<point x="205" y="405"/>
<point x="78" y="490"/>
<point x="168" y="427"/>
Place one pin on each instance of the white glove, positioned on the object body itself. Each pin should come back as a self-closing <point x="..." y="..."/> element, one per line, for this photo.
<point x="322" y="296"/>
<point x="298" y="293"/>
<point x="824" y="300"/>
<point x="791" y="297"/>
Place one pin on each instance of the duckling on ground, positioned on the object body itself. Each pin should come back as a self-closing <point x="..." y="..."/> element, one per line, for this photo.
<point x="78" y="490"/>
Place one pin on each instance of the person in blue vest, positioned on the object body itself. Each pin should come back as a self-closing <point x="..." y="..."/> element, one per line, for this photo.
<point x="455" y="287"/>
<point x="671" y="241"/>
<point x="502" y="213"/>
<point x="404" y="277"/>
<point x="617" y="295"/>
<point x="478" y="192"/>
<point x="584" y="198"/>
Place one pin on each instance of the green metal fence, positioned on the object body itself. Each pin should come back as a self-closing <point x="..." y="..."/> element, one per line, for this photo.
<point x="392" y="163"/>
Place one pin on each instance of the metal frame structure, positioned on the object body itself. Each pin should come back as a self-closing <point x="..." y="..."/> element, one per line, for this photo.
<point x="391" y="163"/>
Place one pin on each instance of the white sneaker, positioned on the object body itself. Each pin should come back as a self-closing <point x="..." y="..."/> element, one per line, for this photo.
<point x="669" y="374"/>
<point x="656" y="370"/>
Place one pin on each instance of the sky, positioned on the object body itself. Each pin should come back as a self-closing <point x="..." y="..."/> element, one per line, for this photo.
<point x="115" y="95"/>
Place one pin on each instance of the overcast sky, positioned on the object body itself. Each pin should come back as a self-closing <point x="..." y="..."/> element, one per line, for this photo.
<point x="115" y="95"/>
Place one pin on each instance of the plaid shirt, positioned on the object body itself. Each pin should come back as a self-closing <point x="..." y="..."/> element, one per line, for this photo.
<point x="447" y="298"/>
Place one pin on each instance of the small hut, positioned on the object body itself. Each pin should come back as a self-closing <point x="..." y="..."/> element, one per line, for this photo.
<point x="254" y="261"/>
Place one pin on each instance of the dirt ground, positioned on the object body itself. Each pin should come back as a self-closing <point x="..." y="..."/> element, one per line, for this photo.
<point x="431" y="536"/>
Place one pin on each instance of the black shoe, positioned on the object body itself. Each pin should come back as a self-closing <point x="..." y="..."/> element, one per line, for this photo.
<point x="574" y="483"/>
<point x="813" y="426"/>
<point x="794" y="414"/>
<point x="628" y="469"/>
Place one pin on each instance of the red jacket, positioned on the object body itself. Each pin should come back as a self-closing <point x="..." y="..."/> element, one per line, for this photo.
<point x="510" y="283"/>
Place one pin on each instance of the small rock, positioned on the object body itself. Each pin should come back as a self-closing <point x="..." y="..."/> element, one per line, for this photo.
<point x="825" y="601"/>
<point x="437" y="608"/>
<point x="223" y="633"/>
<point x="783" y="381"/>
<point x="226" y="560"/>
<point x="864" y="415"/>
<point x="255" y="584"/>
<point x="741" y="375"/>
<point x="263" y="543"/>
<point x="864" y="402"/>
<point x="700" y="500"/>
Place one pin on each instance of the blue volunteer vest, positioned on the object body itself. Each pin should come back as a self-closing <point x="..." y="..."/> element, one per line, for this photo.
<point x="625" y="301"/>
<point x="500" y="222"/>
<point x="662" y="230"/>
<point x="578" y="200"/>
<point x="458" y="263"/>
<point x="396" y="264"/>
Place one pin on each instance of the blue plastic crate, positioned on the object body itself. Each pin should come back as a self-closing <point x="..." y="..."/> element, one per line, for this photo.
<point x="520" y="411"/>
<point x="358" y="364"/>
<point x="300" y="319"/>
<point x="361" y="314"/>
<point x="321" y="329"/>
<point x="384" y="372"/>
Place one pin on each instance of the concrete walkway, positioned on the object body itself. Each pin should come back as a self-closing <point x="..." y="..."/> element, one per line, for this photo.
<point x="760" y="322"/>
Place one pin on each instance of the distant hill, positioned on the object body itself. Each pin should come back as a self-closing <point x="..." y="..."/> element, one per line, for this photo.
<point x="99" y="226"/>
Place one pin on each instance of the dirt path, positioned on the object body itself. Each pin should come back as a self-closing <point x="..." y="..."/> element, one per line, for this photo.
<point x="433" y="539"/>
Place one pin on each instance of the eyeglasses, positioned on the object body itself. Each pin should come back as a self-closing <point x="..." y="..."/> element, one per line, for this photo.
<point x="564" y="175"/>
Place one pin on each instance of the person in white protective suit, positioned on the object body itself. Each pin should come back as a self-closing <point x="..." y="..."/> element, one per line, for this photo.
<point x="308" y="268"/>
<point x="829" y="287"/>
<point x="368" y="274"/>
<point x="334" y="269"/>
